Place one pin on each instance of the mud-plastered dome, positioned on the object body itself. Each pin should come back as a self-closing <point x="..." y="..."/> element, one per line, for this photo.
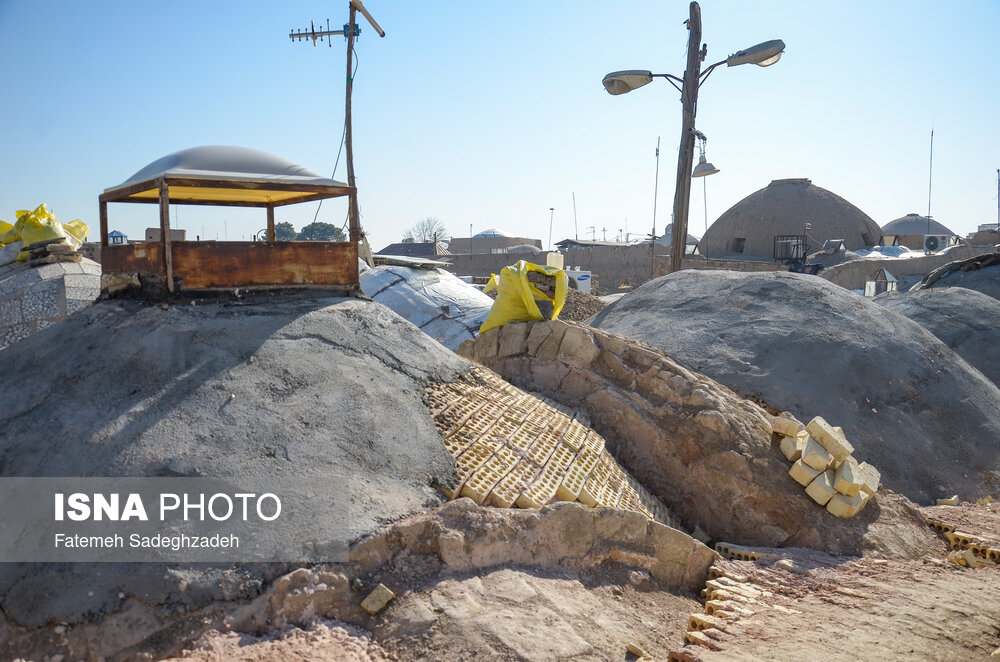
<point x="915" y="224"/>
<point x="783" y="207"/>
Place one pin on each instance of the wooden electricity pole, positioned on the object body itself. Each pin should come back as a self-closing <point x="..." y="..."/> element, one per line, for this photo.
<point x="685" y="158"/>
<point x="350" y="31"/>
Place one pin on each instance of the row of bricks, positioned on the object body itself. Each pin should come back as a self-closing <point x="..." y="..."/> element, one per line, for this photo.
<point x="726" y="596"/>
<point x="500" y="476"/>
<point x="482" y="474"/>
<point x="740" y="553"/>
<point x="961" y="540"/>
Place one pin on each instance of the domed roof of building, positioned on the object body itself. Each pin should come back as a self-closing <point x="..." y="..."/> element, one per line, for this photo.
<point x="524" y="248"/>
<point x="223" y="159"/>
<point x="667" y="237"/>
<point x="783" y="207"/>
<point x="914" y="224"/>
<point x="492" y="232"/>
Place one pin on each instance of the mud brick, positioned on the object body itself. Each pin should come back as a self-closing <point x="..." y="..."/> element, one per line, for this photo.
<point x="792" y="447"/>
<point x="831" y="438"/>
<point x="814" y="455"/>
<point x="377" y="599"/>
<point x="700" y="639"/>
<point x="868" y="477"/>
<point x="786" y="427"/>
<point x="846" y="507"/>
<point x="802" y="473"/>
<point x="845" y="479"/>
<point x="821" y="489"/>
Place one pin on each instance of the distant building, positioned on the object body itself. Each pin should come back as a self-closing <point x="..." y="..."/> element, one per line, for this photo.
<point x="489" y="241"/>
<point x="668" y="238"/>
<point x="153" y="234"/>
<point x="747" y="230"/>
<point x="909" y="231"/>
<point x="116" y="237"/>
<point x="414" y="249"/>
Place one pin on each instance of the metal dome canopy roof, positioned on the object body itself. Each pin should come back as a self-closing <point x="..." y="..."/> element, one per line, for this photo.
<point x="222" y="174"/>
<point x="492" y="232"/>
<point x="238" y="177"/>
<point x="783" y="207"/>
<point x="915" y="224"/>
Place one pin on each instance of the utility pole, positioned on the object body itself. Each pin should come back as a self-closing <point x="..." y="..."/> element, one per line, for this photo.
<point x="685" y="157"/>
<point x="351" y="30"/>
<point x="652" y="235"/>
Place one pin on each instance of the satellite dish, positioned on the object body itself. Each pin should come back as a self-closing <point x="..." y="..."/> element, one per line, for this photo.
<point x="931" y="243"/>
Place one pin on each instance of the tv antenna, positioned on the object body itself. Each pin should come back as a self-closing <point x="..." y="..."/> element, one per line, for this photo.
<point x="350" y="31"/>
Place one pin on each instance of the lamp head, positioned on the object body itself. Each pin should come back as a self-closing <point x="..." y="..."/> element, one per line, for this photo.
<point x="763" y="55"/>
<point x="620" y="82"/>
<point x="704" y="168"/>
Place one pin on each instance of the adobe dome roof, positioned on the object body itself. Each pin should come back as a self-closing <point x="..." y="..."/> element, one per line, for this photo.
<point x="914" y="224"/>
<point x="667" y="237"/>
<point x="783" y="207"/>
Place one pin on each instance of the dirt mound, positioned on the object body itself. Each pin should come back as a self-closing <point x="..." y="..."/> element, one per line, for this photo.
<point x="965" y="320"/>
<point x="980" y="273"/>
<point x="907" y="402"/>
<point x="321" y="641"/>
<point x="580" y="306"/>
<point x="470" y="583"/>
<point x="276" y="386"/>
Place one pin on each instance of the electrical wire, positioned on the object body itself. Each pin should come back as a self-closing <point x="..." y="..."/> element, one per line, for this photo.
<point x="336" y="164"/>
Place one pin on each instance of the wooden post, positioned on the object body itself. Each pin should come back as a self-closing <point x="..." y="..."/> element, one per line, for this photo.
<point x="271" y="237"/>
<point x="104" y="223"/>
<point x="353" y="212"/>
<point x="685" y="157"/>
<point x="168" y="258"/>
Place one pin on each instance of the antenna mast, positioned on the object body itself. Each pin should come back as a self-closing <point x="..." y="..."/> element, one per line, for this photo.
<point x="350" y="30"/>
<point x="930" y="180"/>
<point x="576" y="230"/>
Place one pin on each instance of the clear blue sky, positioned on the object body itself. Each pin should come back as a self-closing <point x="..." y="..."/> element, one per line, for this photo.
<point x="486" y="114"/>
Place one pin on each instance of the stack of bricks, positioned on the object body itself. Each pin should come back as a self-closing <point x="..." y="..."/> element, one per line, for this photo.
<point x="51" y="251"/>
<point x="729" y="598"/>
<point x="967" y="549"/>
<point x="513" y="449"/>
<point x="823" y="464"/>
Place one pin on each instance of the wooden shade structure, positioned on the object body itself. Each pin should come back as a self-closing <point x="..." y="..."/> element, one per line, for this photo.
<point x="240" y="177"/>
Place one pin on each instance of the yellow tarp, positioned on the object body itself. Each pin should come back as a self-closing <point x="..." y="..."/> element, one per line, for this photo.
<point x="41" y="225"/>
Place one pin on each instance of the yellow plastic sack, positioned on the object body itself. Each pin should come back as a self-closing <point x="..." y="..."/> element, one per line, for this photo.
<point x="517" y="296"/>
<point x="42" y="225"/>
<point x="38" y="225"/>
<point x="5" y="228"/>
<point x="76" y="232"/>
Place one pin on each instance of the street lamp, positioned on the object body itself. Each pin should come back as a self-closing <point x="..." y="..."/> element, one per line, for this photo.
<point x="621" y="82"/>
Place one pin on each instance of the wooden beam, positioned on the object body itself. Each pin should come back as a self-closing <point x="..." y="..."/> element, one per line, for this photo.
<point x="104" y="223"/>
<point x="168" y="262"/>
<point x="270" y="225"/>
